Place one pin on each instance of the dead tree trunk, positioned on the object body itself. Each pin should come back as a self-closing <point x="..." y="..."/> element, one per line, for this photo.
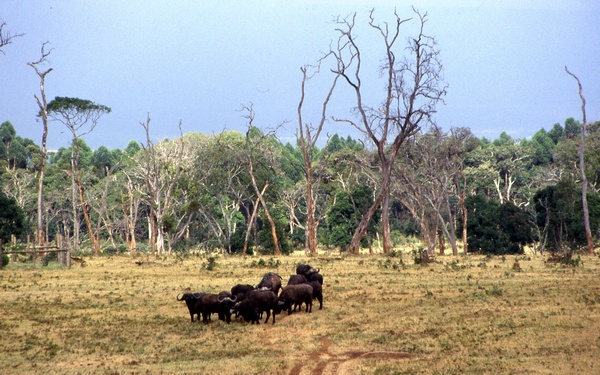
<point x="307" y="137"/>
<point x="248" y="160"/>
<point x="584" y="180"/>
<point x="43" y="113"/>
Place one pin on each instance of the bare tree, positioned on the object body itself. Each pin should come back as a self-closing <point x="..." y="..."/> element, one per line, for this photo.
<point x="307" y="136"/>
<point x="462" y="140"/>
<point x="43" y="113"/>
<point x="6" y="37"/>
<point x="131" y="193"/>
<point x="247" y="158"/>
<point x="413" y="87"/>
<point x="584" y="180"/>
<point x="218" y="181"/>
<point x="161" y="169"/>
<point x="18" y="186"/>
<point x="101" y="207"/>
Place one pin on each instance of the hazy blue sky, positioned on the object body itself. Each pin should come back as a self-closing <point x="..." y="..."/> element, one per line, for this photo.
<point x="200" y="61"/>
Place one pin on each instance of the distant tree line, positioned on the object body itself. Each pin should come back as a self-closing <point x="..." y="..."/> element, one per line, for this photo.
<point x="511" y="193"/>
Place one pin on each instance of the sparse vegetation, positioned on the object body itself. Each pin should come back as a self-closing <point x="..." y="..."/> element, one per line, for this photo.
<point x="115" y="316"/>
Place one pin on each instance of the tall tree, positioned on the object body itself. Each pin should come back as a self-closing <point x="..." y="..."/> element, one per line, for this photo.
<point x="584" y="180"/>
<point x="307" y="136"/>
<point x="80" y="117"/>
<point x="413" y="87"/>
<point x="43" y="114"/>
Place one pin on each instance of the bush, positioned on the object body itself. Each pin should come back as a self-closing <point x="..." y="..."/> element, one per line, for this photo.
<point x="211" y="263"/>
<point x="495" y="228"/>
<point x="346" y="213"/>
<point x="237" y="240"/>
<point x="12" y="219"/>
<point x="261" y="263"/>
<point x="110" y="250"/>
<point x="265" y="236"/>
<point x="5" y="260"/>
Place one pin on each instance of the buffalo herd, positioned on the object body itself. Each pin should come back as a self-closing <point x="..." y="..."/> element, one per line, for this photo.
<point x="250" y="302"/>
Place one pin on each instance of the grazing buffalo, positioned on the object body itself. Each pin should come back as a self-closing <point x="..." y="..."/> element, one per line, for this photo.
<point x="255" y="304"/>
<point x="226" y="302"/>
<point x="297" y="279"/>
<point x="316" y="277"/>
<point x="192" y="300"/>
<point x="306" y="270"/>
<point x="270" y="281"/>
<point x="317" y="292"/>
<point x="296" y="295"/>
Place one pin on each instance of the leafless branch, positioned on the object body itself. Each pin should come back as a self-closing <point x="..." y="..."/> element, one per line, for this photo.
<point x="6" y="37"/>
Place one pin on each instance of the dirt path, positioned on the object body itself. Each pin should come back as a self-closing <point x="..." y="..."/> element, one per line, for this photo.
<point x="323" y="358"/>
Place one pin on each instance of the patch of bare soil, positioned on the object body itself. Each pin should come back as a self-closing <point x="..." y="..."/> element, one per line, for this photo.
<point x="324" y="358"/>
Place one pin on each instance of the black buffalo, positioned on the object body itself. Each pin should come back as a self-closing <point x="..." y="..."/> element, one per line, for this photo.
<point x="226" y="301"/>
<point x="297" y="279"/>
<point x="192" y="300"/>
<point x="316" y="277"/>
<point x="241" y="290"/>
<point x="210" y="305"/>
<point x="306" y="270"/>
<point x="255" y="304"/>
<point x="296" y="295"/>
<point x="270" y="281"/>
<point x="317" y="292"/>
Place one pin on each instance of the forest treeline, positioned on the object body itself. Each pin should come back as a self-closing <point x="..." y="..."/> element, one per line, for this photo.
<point x="204" y="191"/>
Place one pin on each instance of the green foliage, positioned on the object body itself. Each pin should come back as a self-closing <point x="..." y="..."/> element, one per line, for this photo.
<point x="346" y="213"/>
<point x="389" y="263"/>
<point x="556" y="133"/>
<point x="132" y="148"/>
<point x="543" y="148"/>
<point x="82" y="154"/>
<point x="12" y="219"/>
<point x="5" y="260"/>
<point x="559" y="210"/>
<point x="102" y="160"/>
<point x="120" y="249"/>
<point x="572" y="128"/>
<point x="564" y="259"/>
<point x="503" y="140"/>
<point x="261" y="263"/>
<point x="237" y="240"/>
<point x="337" y="143"/>
<point x="265" y="236"/>
<point x="211" y="263"/>
<point x="495" y="228"/>
<point x="17" y="152"/>
<point x="75" y="107"/>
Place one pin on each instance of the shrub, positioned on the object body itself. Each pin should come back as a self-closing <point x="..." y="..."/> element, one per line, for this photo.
<point x="495" y="228"/>
<point x="5" y="260"/>
<point x="211" y="263"/>
<point x="261" y="263"/>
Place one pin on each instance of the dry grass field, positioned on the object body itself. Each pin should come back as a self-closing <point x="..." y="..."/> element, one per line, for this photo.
<point x="381" y="315"/>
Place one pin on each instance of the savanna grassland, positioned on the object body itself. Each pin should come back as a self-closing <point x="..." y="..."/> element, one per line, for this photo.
<point x="381" y="315"/>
